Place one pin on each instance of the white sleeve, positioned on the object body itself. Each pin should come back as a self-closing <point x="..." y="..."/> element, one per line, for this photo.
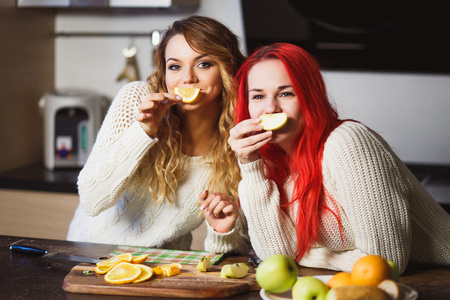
<point x="119" y="148"/>
<point x="236" y="241"/>
<point x="270" y="229"/>
<point x="365" y="178"/>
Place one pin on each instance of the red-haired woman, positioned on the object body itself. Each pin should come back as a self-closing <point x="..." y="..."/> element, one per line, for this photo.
<point x="323" y="190"/>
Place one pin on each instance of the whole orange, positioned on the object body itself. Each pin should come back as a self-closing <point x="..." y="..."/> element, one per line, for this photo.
<point x="340" y="279"/>
<point x="370" y="270"/>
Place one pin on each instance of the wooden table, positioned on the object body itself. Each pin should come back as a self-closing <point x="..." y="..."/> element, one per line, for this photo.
<point x="24" y="277"/>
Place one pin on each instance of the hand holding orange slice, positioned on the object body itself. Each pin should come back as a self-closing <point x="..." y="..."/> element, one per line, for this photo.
<point x="189" y="94"/>
<point x="273" y="121"/>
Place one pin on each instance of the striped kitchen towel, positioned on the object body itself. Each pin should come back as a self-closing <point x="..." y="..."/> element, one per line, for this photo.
<point x="167" y="255"/>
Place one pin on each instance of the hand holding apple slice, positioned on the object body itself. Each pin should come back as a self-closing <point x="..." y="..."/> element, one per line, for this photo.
<point x="188" y="94"/>
<point x="273" y="121"/>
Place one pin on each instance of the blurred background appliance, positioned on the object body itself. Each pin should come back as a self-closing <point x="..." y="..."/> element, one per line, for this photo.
<point x="72" y="118"/>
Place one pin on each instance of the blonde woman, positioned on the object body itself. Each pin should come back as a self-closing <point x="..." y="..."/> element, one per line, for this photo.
<point x="159" y="166"/>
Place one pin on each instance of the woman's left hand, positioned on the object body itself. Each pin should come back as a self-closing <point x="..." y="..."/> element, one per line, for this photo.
<point x="220" y="210"/>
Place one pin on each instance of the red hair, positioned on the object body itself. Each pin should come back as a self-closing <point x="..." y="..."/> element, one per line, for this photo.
<point x="305" y="162"/>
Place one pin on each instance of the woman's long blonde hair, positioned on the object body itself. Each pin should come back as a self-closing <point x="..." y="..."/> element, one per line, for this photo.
<point x="204" y="35"/>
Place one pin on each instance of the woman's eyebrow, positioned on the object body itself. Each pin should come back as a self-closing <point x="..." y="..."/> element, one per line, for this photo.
<point x="280" y="88"/>
<point x="196" y="58"/>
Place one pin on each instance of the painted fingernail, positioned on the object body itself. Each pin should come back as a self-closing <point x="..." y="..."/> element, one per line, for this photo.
<point x="208" y="213"/>
<point x="202" y="207"/>
<point x="179" y="98"/>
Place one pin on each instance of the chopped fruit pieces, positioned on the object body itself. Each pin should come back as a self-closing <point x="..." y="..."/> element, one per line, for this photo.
<point x="158" y="270"/>
<point x="204" y="264"/>
<point x="238" y="270"/>
<point x="170" y="271"/>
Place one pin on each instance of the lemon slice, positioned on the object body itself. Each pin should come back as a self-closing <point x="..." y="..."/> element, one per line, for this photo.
<point x="146" y="273"/>
<point x="188" y="94"/>
<point x="273" y="121"/>
<point x="123" y="272"/>
<point x="139" y="259"/>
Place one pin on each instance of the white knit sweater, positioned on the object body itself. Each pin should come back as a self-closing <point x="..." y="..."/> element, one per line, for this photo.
<point x="384" y="209"/>
<point x="115" y="204"/>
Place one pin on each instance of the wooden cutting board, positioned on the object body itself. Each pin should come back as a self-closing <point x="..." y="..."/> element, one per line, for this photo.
<point x="191" y="283"/>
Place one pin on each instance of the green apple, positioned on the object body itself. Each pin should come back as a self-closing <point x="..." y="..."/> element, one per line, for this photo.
<point x="395" y="272"/>
<point x="277" y="273"/>
<point x="309" y="288"/>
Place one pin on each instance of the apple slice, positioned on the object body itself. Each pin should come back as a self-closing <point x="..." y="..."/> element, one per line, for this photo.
<point x="394" y="290"/>
<point x="224" y="271"/>
<point x="273" y="121"/>
<point x="238" y="270"/>
<point x="204" y="264"/>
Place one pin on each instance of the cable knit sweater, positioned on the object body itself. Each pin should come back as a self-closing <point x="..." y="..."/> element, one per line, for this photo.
<point x="384" y="210"/>
<point x="116" y="206"/>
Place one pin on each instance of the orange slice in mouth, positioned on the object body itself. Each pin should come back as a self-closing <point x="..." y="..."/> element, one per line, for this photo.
<point x="189" y="94"/>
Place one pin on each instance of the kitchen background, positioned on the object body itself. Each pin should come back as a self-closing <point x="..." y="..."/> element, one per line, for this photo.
<point x="405" y="97"/>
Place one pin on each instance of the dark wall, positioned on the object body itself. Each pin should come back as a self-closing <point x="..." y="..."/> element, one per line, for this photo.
<point x="381" y="36"/>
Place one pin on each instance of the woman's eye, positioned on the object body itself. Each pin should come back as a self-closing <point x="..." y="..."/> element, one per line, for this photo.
<point x="257" y="97"/>
<point x="286" y="94"/>
<point x="205" y="65"/>
<point x="173" y="67"/>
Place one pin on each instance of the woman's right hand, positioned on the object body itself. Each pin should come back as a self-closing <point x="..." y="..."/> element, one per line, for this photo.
<point x="246" y="138"/>
<point x="153" y="107"/>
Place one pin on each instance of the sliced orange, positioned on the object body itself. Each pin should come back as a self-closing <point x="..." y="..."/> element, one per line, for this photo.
<point x="170" y="271"/>
<point x="127" y="257"/>
<point x="179" y="266"/>
<point x="188" y="94"/>
<point x="157" y="270"/>
<point x="146" y="273"/>
<point x="123" y="272"/>
<point x="103" y="269"/>
<point x="139" y="259"/>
